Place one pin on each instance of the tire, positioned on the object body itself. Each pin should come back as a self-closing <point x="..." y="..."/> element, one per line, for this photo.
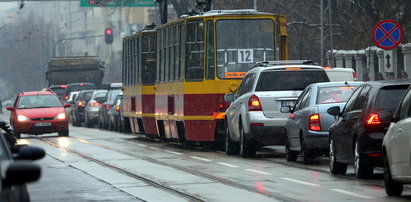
<point x="110" y="125"/>
<point x="361" y="168"/>
<point x="64" y="133"/>
<point x="231" y="148"/>
<point x="89" y="124"/>
<point x="306" y="156"/>
<point x="335" y="167"/>
<point x="247" y="147"/>
<point x="392" y="188"/>
<point x="17" y="135"/>
<point x="290" y="155"/>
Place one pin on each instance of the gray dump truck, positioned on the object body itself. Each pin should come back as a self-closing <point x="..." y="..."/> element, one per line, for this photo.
<point x="75" y="69"/>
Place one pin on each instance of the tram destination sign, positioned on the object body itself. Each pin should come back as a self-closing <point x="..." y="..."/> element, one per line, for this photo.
<point x="387" y="34"/>
<point x="117" y="3"/>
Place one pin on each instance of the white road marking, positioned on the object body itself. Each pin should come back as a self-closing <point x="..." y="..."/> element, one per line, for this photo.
<point x="199" y="158"/>
<point x="298" y="181"/>
<point x="141" y="145"/>
<point x="171" y="152"/>
<point x="155" y="148"/>
<point x="351" y="193"/>
<point x="257" y="171"/>
<point x="228" y="165"/>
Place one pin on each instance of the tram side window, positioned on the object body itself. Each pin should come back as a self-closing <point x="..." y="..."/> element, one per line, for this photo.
<point x="129" y="62"/>
<point x="210" y="50"/>
<point x="181" y="51"/>
<point x="195" y="51"/>
<point x="148" y="59"/>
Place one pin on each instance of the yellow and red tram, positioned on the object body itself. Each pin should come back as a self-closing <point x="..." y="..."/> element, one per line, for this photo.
<point x="175" y="77"/>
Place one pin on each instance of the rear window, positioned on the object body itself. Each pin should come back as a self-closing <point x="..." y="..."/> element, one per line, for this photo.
<point x="289" y="80"/>
<point x="59" y="90"/>
<point x="335" y="94"/>
<point x="389" y="98"/>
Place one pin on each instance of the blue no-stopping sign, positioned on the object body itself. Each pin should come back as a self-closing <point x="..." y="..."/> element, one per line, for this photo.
<point x="387" y="34"/>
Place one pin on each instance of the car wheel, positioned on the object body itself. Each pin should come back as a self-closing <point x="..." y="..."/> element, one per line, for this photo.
<point x="231" y="148"/>
<point x="361" y="169"/>
<point x="17" y="135"/>
<point x="89" y="124"/>
<point x="64" y="133"/>
<point x="335" y="167"/>
<point x="247" y="147"/>
<point x="306" y="156"/>
<point x="290" y="155"/>
<point x="392" y="188"/>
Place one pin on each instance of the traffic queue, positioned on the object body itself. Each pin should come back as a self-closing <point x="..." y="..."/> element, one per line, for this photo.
<point x="313" y="111"/>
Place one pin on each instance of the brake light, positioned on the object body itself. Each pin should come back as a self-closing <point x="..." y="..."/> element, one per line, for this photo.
<point x="254" y="104"/>
<point x="117" y="108"/>
<point x="354" y="75"/>
<point x="314" y="122"/>
<point x="373" y="119"/>
<point x="106" y="106"/>
<point x="80" y="103"/>
<point x="66" y="97"/>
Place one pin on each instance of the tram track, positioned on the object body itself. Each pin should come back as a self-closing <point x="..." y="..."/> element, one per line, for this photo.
<point x="225" y="181"/>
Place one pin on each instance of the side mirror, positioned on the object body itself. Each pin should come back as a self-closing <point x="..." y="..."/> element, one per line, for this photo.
<point x="385" y="116"/>
<point x="335" y="111"/>
<point x="10" y="108"/>
<point x="229" y="97"/>
<point x="67" y="105"/>
<point x="25" y="152"/>
<point x="286" y="109"/>
<point x="20" y="172"/>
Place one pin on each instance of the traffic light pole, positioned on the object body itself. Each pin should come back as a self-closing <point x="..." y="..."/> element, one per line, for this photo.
<point x="68" y="39"/>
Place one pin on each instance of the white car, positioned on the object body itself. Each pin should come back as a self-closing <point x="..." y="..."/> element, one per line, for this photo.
<point x="397" y="148"/>
<point x="340" y="74"/>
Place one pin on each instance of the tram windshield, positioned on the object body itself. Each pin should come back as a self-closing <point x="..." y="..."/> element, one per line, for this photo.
<point x="241" y="43"/>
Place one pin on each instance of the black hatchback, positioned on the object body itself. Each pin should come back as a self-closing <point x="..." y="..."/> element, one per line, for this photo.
<point x="357" y="134"/>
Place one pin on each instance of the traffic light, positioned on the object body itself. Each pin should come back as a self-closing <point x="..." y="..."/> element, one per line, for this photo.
<point x="108" y="36"/>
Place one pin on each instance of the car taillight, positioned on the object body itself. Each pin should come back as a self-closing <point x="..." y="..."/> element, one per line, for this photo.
<point x="354" y="75"/>
<point x="117" y="108"/>
<point x="66" y="97"/>
<point x="106" y="106"/>
<point x="79" y="103"/>
<point x="254" y="104"/>
<point x="314" y="122"/>
<point x="373" y="119"/>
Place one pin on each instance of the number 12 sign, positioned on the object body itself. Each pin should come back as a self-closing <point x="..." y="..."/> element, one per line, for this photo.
<point x="245" y="56"/>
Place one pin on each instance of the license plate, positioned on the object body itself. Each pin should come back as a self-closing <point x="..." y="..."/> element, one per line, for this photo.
<point x="42" y="124"/>
<point x="287" y="103"/>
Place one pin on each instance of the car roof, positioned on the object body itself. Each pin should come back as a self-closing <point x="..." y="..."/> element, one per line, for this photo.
<point x="287" y="68"/>
<point x="30" y="93"/>
<point x="382" y="83"/>
<point x="337" y="83"/>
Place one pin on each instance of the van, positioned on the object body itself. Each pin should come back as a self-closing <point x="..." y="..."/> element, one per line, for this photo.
<point x="340" y="74"/>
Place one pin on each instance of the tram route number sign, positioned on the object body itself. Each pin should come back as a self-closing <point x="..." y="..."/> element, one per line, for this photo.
<point x="245" y="56"/>
<point x="117" y="3"/>
<point x="387" y="34"/>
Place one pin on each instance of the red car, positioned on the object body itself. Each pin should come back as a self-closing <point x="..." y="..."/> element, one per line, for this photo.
<point x="38" y="112"/>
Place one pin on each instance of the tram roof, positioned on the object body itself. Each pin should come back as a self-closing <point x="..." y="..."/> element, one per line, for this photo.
<point x="231" y="12"/>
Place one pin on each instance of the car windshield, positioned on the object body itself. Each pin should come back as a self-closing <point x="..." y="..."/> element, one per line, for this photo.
<point x="59" y="91"/>
<point x="38" y="101"/>
<point x="334" y="94"/>
<point x="289" y="80"/>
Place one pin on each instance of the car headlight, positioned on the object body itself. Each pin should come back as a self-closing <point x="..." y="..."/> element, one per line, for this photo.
<point x="22" y="118"/>
<point x="61" y="116"/>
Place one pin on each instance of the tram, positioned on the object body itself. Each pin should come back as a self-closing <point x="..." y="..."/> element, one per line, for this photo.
<point x="176" y="75"/>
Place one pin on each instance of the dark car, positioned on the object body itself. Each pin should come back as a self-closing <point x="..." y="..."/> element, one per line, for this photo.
<point x="113" y="113"/>
<point x="79" y="106"/>
<point x="107" y="104"/>
<point x="17" y="170"/>
<point x="307" y="127"/>
<point x="356" y="136"/>
<point x="60" y="90"/>
<point x="78" y="87"/>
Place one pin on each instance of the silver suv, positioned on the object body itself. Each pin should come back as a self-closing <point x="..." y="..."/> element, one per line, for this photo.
<point x="254" y="118"/>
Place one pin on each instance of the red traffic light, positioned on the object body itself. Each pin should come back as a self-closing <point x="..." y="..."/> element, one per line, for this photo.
<point x="109" y="31"/>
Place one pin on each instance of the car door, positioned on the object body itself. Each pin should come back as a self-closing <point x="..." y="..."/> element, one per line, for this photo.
<point x="340" y="128"/>
<point x="399" y="137"/>
<point x="352" y="121"/>
<point x="242" y="97"/>
<point x="296" y="117"/>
